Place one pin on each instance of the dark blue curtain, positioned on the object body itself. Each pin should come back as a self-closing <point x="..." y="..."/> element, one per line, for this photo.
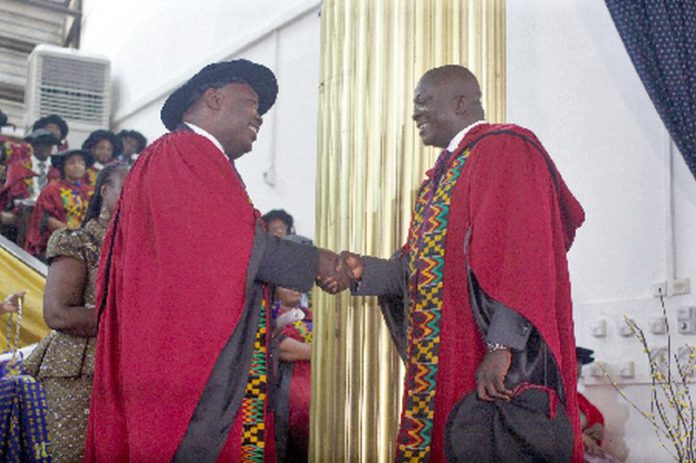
<point x="660" y="37"/>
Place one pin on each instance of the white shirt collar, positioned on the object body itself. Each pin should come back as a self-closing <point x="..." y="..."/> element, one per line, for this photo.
<point x="35" y="162"/>
<point x="454" y="143"/>
<point x="208" y="135"/>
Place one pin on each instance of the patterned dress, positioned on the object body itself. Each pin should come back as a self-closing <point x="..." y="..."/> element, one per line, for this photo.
<point x="64" y="364"/>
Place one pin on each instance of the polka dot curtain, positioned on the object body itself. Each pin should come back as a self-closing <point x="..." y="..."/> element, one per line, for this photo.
<point x="660" y="37"/>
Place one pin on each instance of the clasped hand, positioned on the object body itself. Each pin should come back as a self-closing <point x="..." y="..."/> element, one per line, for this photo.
<point x="11" y="302"/>
<point x="338" y="271"/>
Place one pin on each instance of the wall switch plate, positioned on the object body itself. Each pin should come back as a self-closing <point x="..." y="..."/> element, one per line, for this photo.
<point x="659" y="289"/>
<point x="625" y="330"/>
<point x="595" y="371"/>
<point x="627" y="369"/>
<point x="678" y="286"/>
<point x="658" y="325"/>
<point x="598" y="328"/>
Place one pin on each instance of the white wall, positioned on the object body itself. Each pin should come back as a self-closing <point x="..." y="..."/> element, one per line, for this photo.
<point x="156" y="45"/>
<point x="571" y="81"/>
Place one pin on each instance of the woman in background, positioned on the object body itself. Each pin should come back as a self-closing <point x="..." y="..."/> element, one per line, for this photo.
<point x="61" y="204"/>
<point x="294" y="382"/>
<point x="106" y="147"/>
<point x="63" y="362"/>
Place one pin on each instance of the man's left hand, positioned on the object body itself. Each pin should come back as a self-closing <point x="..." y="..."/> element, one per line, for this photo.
<point x="490" y="376"/>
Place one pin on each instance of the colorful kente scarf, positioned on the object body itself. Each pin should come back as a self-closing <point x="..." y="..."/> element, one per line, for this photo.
<point x="75" y="206"/>
<point x="254" y="402"/>
<point x="426" y="241"/>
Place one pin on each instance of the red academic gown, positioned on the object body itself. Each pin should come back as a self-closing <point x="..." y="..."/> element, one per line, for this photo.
<point x="171" y="293"/>
<point x="19" y="181"/>
<point x="521" y="218"/>
<point x="61" y="200"/>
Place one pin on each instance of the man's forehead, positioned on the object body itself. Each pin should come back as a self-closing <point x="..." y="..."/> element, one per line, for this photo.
<point x="243" y="89"/>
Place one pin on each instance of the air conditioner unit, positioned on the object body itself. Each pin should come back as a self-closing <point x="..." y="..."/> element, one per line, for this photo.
<point x="71" y="83"/>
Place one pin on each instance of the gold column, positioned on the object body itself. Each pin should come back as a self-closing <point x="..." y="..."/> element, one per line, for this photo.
<point x="370" y="162"/>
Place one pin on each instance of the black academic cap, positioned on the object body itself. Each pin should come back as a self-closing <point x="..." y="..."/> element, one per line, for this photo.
<point x="58" y="159"/>
<point x="42" y="136"/>
<point x="257" y="76"/>
<point x="52" y="119"/>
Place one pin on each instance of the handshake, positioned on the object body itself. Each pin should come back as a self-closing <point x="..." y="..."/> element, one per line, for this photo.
<point x="338" y="271"/>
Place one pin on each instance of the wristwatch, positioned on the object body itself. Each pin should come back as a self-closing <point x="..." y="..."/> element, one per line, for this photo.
<point x="495" y="346"/>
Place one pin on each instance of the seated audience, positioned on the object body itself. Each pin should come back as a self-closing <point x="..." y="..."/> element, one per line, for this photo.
<point x="63" y="203"/>
<point x="133" y="143"/>
<point x="57" y="126"/>
<point x="26" y="177"/>
<point x="63" y="362"/>
<point x="294" y="326"/>
<point x="106" y="147"/>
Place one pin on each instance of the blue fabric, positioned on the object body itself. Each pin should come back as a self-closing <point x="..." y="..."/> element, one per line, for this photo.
<point x="23" y="434"/>
<point x="660" y="37"/>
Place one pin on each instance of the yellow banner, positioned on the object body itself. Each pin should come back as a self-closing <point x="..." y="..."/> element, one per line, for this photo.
<point x="17" y="276"/>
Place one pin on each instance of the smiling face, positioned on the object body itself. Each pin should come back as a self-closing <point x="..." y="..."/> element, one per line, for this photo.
<point x="74" y="168"/>
<point x="435" y="112"/>
<point x="237" y="120"/>
<point x="103" y="151"/>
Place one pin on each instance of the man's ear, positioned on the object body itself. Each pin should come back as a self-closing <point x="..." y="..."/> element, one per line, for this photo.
<point x="212" y="98"/>
<point x="461" y="104"/>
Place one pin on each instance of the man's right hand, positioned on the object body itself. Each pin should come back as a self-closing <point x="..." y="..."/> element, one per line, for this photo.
<point x="353" y="262"/>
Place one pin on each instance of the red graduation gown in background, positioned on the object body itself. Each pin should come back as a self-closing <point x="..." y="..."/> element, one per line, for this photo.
<point x="182" y="236"/>
<point x="19" y="174"/>
<point x="61" y="200"/>
<point x="521" y="226"/>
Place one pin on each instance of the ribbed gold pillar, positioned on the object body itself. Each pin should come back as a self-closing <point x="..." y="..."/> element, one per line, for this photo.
<point x="370" y="162"/>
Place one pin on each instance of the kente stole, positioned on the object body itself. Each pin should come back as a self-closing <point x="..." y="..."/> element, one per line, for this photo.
<point x="426" y="240"/>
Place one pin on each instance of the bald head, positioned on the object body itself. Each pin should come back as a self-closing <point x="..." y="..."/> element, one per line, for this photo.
<point x="447" y="99"/>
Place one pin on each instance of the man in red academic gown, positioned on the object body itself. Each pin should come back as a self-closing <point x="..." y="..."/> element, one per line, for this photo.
<point x="487" y="334"/>
<point x="182" y="365"/>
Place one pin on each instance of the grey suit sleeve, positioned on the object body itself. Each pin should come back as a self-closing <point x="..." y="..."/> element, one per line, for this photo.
<point x="287" y="264"/>
<point x="508" y="328"/>
<point x="381" y="277"/>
